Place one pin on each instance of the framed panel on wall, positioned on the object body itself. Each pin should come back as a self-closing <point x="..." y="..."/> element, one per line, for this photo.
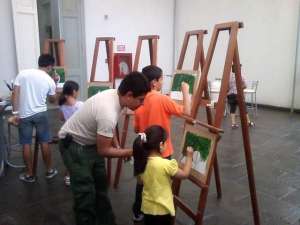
<point x="122" y="64"/>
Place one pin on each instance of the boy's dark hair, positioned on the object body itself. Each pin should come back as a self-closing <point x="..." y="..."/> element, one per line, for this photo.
<point x="46" y="60"/>
<point x="68" y="89"/>
<point x="141" y="149"/>
<point x="152" y="72"/>
<point x="135" y="82"/>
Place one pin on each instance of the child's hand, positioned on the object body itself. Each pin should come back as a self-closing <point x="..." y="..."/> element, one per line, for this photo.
<point x="185" y="87"/>
<point x="56" y="78"/>
<point x="189" y="152"/>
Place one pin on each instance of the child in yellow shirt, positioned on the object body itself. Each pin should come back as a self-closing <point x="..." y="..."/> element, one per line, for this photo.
<point x="156" y="174"/>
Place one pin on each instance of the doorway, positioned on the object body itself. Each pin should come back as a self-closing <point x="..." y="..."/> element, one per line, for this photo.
<point x="63" y="19"/>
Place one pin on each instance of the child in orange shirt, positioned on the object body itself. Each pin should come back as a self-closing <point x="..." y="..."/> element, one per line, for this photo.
<point x="157" y="110"/>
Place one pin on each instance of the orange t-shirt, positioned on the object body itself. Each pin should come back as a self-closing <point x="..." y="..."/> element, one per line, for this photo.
<point x="157" y="110"/>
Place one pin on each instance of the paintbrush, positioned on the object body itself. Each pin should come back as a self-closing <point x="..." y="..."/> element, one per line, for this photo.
<point x="7" y="85"/>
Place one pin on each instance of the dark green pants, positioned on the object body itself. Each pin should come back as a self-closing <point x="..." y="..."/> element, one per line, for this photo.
<point x="89" y="184"/>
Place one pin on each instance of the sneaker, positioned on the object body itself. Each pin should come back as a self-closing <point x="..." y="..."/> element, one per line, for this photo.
<point x="138" y="217"/>
<point x="51" y="173"/>
<point x="27" y="178"/>
<point x="67" y="180"/>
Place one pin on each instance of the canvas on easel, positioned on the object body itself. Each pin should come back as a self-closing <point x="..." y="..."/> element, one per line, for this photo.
<point x="98" y="86"/>
<point x="61" y="71"/>
<point x="203" y="143"/>
<point x="188" y="76"/>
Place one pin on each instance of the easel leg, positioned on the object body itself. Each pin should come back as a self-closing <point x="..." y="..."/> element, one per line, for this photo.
<point x="201" y="206"/>
<point x="246" y="137"/>
<point x="118" y="172"/>
<point x="216" y="165"/>
<point x="120" y="160"/>
<point x="176" y="189"/>
<point x="217" y="178"/>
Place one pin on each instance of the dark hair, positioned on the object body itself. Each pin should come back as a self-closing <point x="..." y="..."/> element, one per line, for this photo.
<point x="135" y="82"/>
<point x="152" y="72"/>
<point x="68" y="90"/>
<point x="141" y="149"/>
<point x="46" y="60"/>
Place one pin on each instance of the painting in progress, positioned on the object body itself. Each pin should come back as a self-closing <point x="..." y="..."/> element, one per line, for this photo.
<point x="97" y="86"/>
<point x="202" y="143"/>
<point x="189" y="77"/>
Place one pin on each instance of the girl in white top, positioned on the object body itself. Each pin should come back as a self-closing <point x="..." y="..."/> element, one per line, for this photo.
<point x="68" y="105"/>
<point x="233" y="100"/>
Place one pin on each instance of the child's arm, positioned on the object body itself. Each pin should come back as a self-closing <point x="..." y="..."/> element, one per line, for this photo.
<point x="186" y="98"/>
<point x="185" y="171"/>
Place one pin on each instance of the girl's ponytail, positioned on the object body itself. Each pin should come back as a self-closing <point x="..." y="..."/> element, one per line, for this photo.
<point x="144" y="144"/>
<point x="62" y="99"/>
<point x="140" y="154"/>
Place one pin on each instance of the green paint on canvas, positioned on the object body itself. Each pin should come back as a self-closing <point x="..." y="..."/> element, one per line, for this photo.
<point x="198" y="143"/>
<point x="92" y="90"/>
<point x="183" y="77"/>
<point x="61" y="72"/>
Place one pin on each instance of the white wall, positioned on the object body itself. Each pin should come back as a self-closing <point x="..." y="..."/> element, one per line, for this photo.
<point x="8" y="63"/>
<point x="126" y="21"/>
<point x="267" y="42"/>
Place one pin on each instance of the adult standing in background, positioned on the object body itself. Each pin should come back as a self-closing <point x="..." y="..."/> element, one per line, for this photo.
<point x="87" y="137"/>
<point x="233" y="101"/>
<point x="31" y="89"/>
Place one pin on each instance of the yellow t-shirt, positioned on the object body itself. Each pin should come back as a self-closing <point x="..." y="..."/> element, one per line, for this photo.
<point x="157" y="191"/>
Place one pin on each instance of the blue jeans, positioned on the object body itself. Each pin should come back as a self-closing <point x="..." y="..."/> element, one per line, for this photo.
<point x="41" y="124"/>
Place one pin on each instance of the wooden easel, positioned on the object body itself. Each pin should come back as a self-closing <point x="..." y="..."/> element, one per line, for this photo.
<point x="232" y="57"/>
<point x="109" y="53"/>
<point x="56" y="48"/>
<point x="153" y="41"/>
<point x="199" y="61"/>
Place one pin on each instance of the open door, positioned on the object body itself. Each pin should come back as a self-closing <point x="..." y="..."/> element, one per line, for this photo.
<point x="72" y="31"/>
<point x="26" y="33"/>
